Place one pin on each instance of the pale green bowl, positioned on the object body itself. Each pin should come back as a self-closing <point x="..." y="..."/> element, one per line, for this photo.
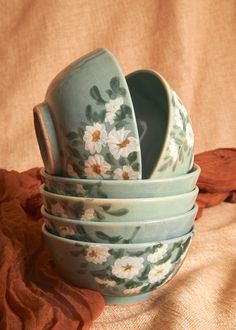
<point x="122" y="188"/>
<point x="100" y="209"/>
<point x="123" y="273"/>
<point x="120" y="232"/>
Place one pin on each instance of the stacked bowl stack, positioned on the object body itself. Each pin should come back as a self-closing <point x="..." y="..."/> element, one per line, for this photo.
<point x="119" y="180"/>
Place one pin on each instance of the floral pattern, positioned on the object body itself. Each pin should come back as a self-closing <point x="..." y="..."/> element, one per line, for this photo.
<point x="126" y="172"/>
<point x="81" y="210"/>
<point x="131" y="271"/>
<point x="181" y="144"/>
<point x="106" y="141"/>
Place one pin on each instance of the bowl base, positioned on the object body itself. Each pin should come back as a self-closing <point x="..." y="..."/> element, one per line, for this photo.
<point x="111" y="300"/>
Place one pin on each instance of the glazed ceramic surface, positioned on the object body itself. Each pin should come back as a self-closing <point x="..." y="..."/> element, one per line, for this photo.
<point x="165" y="130"/>
<point x="121" y="232"/>
<point x="120" y="188"/>
<point x="86" y="127"/>
<point x="100" y="209"/>
<point x="118" y="270"/>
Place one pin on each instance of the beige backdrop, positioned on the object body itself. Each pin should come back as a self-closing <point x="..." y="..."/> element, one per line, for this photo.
<point x="191" y="43"/>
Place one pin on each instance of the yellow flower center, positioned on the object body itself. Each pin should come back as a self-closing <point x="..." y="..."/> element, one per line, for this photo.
<point x="96" y="135"/>
<point x="93" y="254"/>
<point x="125" y="175"/>
<point x="127" y="267"/>
<point x="96" y="168"/>
<point x="123" y="144"/>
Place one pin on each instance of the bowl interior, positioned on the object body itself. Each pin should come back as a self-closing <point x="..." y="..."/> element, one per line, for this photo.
<point x="150" y="100"/>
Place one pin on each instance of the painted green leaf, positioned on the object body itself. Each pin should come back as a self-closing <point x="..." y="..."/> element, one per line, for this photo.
<point x="145" y="272"/>
<point x="122" y="161"/>
<point x="164" y="167"/>
<point x="102" y="116"/>
<point x="178" y="255"/>
<point x="136" y="167"/>
<point x="127" y="110"/>
<point x="110" y="93"/>
<point x="132" y="157"/>
<point x="135" y="253"/>
<point x="121" y="124"/>
<point x="115" y="239"/>
<point x="76" y="253"/>
<point x="163" y="260"/>
<point x="75" y="143"/>
<point x="108" y="158"/>
<point x="72" y="135"/>
<point x="102" y="236"/>
<point x="98" y="273"/>
<point x="122" y="91"/>
<point x="88" y="113"/>
<point x="105" y="207"/>
<point x="118" y="213"/>
<point x="75" y="152"/>
<point x="80" y="229"/>
<point x="94" y="92"/>
<point x="83" y="264"/>
<point x="117" y="253"/>
<point x="115" y="84"/>
<point x="186" y="244"/>
<point x="99" y="215"/>
<point x="95" y="116"/>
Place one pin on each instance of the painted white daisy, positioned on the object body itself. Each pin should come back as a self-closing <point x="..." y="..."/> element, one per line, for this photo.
<point x="70" y="171"/>
<point x="158" y="273"/>
<point x="96" y="167"/>
<point x="156" y="256"/>
<point x="173" y="149"/>
<point x="66" y="231"/>
<point x="133" y="291"/>
<point x="178" y="119"/>
<point x="95" y="137"/>
<point x="105" y="281"/>
<point x="88" y="214"/>
<point x="111" y="107"/>
<point x="120" y="144"/>
<point x="127" y="267"/>
<point x="189" y="135"/>
<point x="57" y="209"/>
<point x="126" y="173"/>
<point x="97" y="254"/>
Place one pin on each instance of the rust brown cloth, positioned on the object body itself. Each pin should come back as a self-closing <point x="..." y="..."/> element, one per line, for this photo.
<point x="217" y="182"/>
<point x="32" y="296"/>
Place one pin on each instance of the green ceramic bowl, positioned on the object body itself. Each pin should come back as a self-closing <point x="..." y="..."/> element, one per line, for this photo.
<point x="123" y="273"/>
<point x="121" y="188"/>
<point x="100" y="209"/>
<point x="121" y="232"/>
<point x="165" y="130"/>
<point x="86" y="126"/>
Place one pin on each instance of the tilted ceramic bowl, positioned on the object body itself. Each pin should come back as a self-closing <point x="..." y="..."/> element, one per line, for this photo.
<point x="86" y="126"/>
<point x="100" y="209"/>
<point x="120" y="232"/>
<point x="123" y="273"/>
<point x="165" y="130"/>
<point x="121" y="188"/>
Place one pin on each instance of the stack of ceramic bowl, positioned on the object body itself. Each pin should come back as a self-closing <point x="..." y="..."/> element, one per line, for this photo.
<point x="120" y="181"/>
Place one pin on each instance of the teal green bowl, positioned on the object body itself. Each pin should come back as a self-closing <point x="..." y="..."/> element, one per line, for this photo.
<point x="121" y="188"/>
<point x="120" y="232"/>
<point x="100" y="209"/>
<point x="123" y="273"/>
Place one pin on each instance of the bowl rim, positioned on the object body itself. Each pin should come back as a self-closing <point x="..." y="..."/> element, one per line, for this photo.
<point x="170" y="120"/>
<point x="195" y="171"/>
<point x="44" y="192"/>
<point x="116" y="246"/>
<point x="45" y="214"/>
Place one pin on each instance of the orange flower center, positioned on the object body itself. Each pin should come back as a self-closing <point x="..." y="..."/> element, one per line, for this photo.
<point x="127" y="267"/>
<point x="123" y="144"/>
<point x="93" y="254"/>
<point x="96" y="135"/>
<point x="96" y="168"/>
<point x="125" y="175"/>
